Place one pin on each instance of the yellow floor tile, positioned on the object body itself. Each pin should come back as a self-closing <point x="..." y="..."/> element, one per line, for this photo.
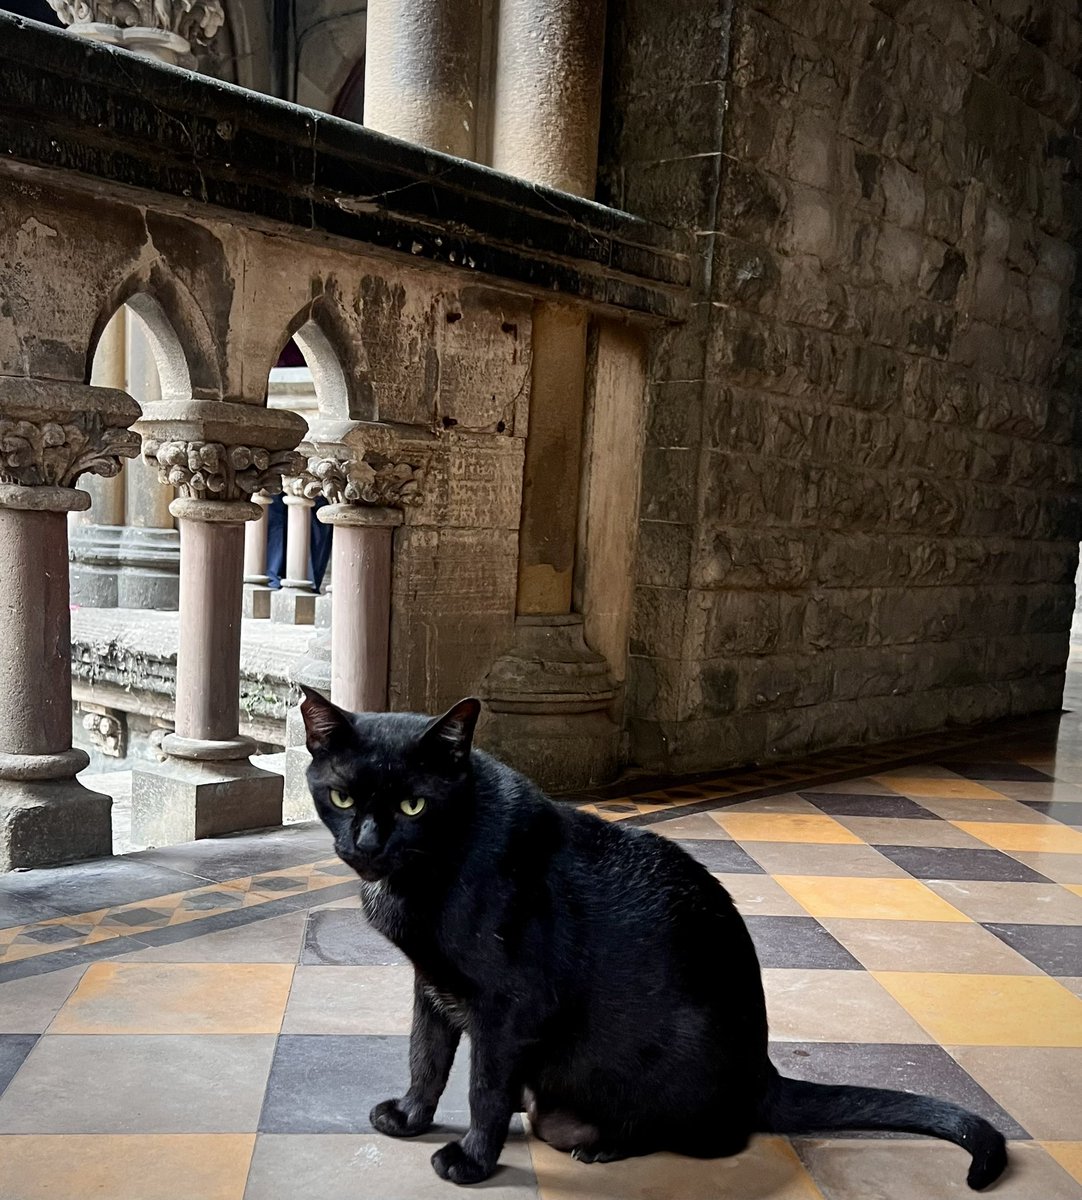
<point x="988" y="1010"/>
<point x="125" y="1166"/>
<point x="768" y="1170"/>
<point x="1050" y="838"/>
<point x="869" y="899"/>
<point x="187" y="998"/>
<point x="785" y="827"/>
<point x="1074" y="887"/>
<point x="912" y="785"/>
<point x="1068" y="1155"/>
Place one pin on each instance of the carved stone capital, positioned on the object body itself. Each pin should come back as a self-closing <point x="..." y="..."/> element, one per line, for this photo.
<point x="214" y="471"/>
<point x="303" y="485"/>
<point x="196" y="21"/>
<point x="371" y="477"/>
<point x="51" y="433"/>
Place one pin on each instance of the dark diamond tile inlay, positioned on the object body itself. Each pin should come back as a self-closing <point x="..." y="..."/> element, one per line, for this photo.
<point x="1008" y="771"/>
<point x="139" y="916"/>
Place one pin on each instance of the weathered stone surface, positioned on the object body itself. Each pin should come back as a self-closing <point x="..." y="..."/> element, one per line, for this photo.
<point x="877" y="524"/>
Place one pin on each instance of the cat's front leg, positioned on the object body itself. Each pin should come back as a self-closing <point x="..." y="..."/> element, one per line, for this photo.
<point x="433" y="1041"/>
<point x="495" y="1093"/>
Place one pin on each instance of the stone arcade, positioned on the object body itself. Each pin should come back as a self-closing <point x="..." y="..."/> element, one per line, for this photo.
<point x="734" y="418"/>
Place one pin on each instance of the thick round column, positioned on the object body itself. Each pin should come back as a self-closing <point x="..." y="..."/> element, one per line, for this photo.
<point x="208" y="656"/>
<point x="46" y="815"/>
<point x="421" y="72"/>
<point x="361" y="604"/>
<point x="549" y="61"/>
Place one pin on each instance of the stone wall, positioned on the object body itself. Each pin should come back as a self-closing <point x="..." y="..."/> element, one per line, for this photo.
<point x="859" y="515"/>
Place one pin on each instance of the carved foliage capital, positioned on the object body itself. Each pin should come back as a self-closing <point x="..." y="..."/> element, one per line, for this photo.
<point x="37" y="451"/>
<point x="213" y="471"/>
<point x="374" y="478"/>
<point x="197" y="21"/>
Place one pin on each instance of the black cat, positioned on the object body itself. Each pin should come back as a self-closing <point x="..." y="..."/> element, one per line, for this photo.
<point x="606" y="981"/>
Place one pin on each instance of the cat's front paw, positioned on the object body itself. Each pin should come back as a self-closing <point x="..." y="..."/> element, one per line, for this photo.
<point x="395" y="1121"/>
<point x="453" y="1163"/>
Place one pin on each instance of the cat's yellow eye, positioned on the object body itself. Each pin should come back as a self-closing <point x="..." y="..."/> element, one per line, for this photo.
<point x="414" y="807"/>
<point x="340" y="801"/>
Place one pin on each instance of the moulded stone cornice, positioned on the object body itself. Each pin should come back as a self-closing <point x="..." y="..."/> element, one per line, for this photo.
<point x="224" y="421"/>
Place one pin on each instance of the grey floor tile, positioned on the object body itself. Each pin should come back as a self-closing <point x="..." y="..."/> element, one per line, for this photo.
<point x="853" y="804"/>
<point x="14" y="1047"/>
<point x="1069" y="812"/>
<point x="1056" y="949"/>
<point x="28" y="1005"/>
<point x="343" y="937"/>
<point x="798" y="942"/>
<point x="102" y="1083"/>
<point x="725" y="857"/>
<point x="909" y="1068"/>
<point x="352" y="1167"/>
<point x="943" y="862"/>
<point x="328" y="1083"/>
<point x="85" y="887"/>
<point x="233" y="857"/>
<point x="18" y="909"/>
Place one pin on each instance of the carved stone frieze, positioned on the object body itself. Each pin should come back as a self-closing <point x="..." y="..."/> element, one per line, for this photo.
<point x="36" y="452"/>
<point x="213" y="471"/>
<point x="196" y="21"/>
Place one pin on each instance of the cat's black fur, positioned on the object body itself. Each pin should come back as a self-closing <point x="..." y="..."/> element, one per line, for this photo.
<point x="606" y="981"/>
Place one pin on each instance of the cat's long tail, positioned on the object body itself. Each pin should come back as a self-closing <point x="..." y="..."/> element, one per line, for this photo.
<point x="793" y="1106"/>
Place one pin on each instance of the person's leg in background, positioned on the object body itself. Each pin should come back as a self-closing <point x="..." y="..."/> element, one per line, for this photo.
<point x="319" y="546"/>
<point x="276" y="542"/>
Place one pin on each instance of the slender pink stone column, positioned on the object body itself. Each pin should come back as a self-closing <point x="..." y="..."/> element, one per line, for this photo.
<point x="361" y="604"/>
<point x="257" y="595"/>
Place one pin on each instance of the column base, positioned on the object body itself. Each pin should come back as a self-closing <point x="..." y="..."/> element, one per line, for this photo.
<point x="257" y="601"/>
<point x="549" y="699"/>
<point x="291" y="606"/>
<point x="183" y="800"/>
<point x="48" y="822"/>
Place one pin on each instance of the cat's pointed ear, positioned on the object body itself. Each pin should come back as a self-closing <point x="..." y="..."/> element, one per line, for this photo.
<point x="453" y="732"/>
<point x="325" y="724"/>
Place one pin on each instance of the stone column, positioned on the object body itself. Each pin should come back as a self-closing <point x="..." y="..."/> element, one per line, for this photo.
<point x="422" y="71"/>
<point x="51" y="433"/>
<point x="367" y="481"/>
<point x="551" y="694"/>
<point x="294" y="603"/>
<point x="207" y="786"/>
<point x="257" y="595"/>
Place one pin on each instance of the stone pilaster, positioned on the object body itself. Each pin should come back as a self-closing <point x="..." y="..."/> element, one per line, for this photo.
<point x="217" y="455"/>
<point x="51" y="433"/>
<point x="367" y="480"/>
<point x="550" y="695"/>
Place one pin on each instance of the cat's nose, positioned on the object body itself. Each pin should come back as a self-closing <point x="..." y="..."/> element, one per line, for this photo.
<point x="367" y="839"/>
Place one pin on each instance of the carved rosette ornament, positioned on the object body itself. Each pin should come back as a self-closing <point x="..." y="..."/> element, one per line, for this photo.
<point x="213" y="471"/>
<point x="374" y="478"/>
<point x="196" y="21"/>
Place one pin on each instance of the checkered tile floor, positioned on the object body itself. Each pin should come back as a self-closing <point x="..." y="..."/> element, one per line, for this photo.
<point x="214" y="1021"/>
